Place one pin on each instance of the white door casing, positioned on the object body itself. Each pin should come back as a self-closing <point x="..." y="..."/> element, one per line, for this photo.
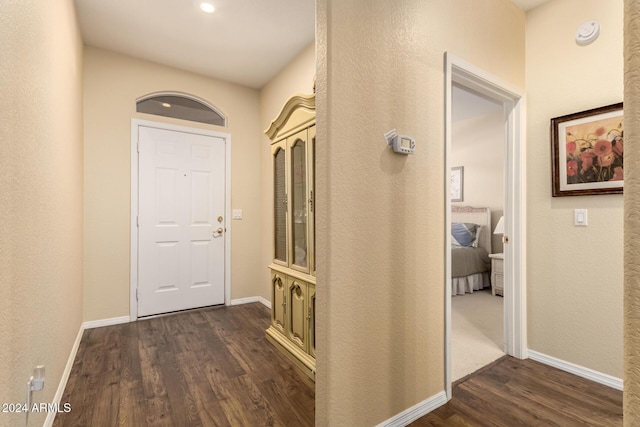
<point x="515" y="331"/>
<point x="180" y="208"/>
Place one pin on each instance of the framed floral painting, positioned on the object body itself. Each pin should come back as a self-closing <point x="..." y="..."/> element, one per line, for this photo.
<point x="587" y="149"/>
<point x="457" y="183"/>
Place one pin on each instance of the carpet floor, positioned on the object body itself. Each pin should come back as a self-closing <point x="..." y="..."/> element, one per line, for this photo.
<point x="477" y="335"/>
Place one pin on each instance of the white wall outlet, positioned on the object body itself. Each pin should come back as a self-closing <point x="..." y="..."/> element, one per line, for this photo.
<point x="237" y="214"/>
<point x="580" y="217"/>
<point x="36" y="382"/>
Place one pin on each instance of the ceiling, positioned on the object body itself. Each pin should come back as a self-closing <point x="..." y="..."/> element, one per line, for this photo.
<point x="529" y="4"/>
<point x="244" y="41"/>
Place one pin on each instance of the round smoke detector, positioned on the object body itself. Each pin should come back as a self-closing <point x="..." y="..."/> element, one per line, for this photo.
<point x="587" y="32"/>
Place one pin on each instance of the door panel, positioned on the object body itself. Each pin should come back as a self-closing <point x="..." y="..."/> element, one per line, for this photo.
<point x="181" y="254"/>
<point x="168" y="268"/>
<point x="297" y="317"/>
<point x="167" y="180"/>
<point x="311" y="318"/>
<point x="200" y="190"/>
<point x="199" y="266"/>
<point x="278" y="298"/>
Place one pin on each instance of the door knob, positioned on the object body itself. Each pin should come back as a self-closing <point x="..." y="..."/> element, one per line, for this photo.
<point x="219" y="231"/>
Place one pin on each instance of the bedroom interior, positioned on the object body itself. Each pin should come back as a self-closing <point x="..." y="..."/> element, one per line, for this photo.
<point x="477" y="146"/>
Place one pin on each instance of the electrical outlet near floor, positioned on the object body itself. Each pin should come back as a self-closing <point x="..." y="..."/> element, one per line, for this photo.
<point x="35" y="383"/>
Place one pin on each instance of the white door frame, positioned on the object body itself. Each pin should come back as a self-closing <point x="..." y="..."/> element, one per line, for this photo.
<point x="133" y="283"/>
<point x="515" y="296"/>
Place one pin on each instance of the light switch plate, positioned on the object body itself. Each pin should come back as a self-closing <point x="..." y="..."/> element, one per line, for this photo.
<point x="580" y="217"/>
<point x="237" y="214"/>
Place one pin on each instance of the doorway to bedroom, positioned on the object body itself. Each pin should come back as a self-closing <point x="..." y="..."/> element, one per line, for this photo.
<point x="477" y="204"/>
<point x="485" y="303"/>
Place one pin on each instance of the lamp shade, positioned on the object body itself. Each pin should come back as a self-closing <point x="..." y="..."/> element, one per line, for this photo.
<point x="500" y="227"/>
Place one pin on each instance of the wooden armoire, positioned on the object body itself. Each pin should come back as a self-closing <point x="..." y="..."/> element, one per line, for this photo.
<point x="293" y="269"/>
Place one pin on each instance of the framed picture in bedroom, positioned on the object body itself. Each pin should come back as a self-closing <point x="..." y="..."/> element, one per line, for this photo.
<point x="457" y="183"/>
<point x="587" y="151"/>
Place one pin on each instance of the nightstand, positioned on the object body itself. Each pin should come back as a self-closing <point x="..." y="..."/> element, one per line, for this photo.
<point x="497" y="274"/>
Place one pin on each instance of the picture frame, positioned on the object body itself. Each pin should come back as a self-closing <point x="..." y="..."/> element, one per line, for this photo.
<point x="587" y="150"/>
<point x="457" y="183"/>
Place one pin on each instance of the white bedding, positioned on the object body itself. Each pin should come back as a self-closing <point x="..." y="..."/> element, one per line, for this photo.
<point x="468" y="284"/>
<point x="476" y="281"/>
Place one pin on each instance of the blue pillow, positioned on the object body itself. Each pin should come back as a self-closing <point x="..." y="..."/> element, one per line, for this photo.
<point x="463" y="234"/>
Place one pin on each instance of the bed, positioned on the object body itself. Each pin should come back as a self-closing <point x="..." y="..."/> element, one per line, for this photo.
<point x="470" y="262"/>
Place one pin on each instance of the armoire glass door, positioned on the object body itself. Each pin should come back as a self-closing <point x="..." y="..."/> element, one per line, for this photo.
<point x="280" y="204"/>
<point x="299" y="201"/>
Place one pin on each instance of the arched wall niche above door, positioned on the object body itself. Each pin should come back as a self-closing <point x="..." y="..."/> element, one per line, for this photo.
<point x="180" y="106"/>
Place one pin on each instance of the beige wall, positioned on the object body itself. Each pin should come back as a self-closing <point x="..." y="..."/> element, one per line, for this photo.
<point x="112" y="84"/>
<point x="478" y="144"/>
<point x="575" y="274"/>
<point x="296" y="77"/>
<point x="381" y="215"/>
<point x="631" y="407"/>
<point x="40" y="196"/>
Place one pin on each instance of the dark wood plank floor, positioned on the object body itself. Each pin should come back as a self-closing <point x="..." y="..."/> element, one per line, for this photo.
<point x="512" y="392"/>
<point x="209" y="367"/>
<point x="213" y="367"/>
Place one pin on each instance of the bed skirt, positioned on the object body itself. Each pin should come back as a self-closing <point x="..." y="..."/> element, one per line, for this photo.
<point x="468" y="284"/>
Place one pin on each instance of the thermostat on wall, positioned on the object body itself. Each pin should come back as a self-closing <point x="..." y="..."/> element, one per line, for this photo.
<point x="400" y="143"/>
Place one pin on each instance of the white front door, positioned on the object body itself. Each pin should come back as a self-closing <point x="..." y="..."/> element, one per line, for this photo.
<point x="181" y="224"/>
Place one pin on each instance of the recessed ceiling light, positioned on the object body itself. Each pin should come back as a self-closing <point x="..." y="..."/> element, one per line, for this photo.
<point x="207" y="7"/>
<point x="166" y="105"/>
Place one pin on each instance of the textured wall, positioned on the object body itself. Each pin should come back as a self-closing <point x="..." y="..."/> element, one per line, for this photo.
<point x="112" y="84"/>
<point x="632" y="213"/>
<point x="296" y="77"/>
<point x="40" y="196"/>
<point x="575" y="274"/>
<point x="380" y="216"/>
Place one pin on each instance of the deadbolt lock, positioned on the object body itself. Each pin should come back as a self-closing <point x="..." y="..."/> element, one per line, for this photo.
<point x="220" y="219"/>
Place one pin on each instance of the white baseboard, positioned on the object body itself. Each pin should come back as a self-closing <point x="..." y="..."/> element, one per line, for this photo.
<point x="416" y="411"/>
<point x="240" y="301"/>
<point x="48" y="422"/>
<point x="265" y="302"/>
<point x="578" y="370"/>
<point x="249" y="300"/>
<point x="106" y="322"/>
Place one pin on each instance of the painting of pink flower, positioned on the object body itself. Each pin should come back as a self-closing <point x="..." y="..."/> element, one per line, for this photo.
<point x="618" y="146"/>
<point x="607" y="159"/>
<point x="618" y="174"/>
<point x="602" y="147"/>
<point x="587" y="160"/>
<point x="588" y="150"/>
